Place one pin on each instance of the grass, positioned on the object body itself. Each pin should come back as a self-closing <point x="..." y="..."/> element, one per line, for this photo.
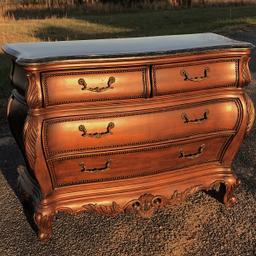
<point x="25" y="27"/>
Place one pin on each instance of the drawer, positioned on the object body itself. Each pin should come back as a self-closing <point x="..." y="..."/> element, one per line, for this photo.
<point x="133" y="163"/>
<point x="88" y="133"/>
<point x="92" y="85"/>
<point x="189" y="77"/>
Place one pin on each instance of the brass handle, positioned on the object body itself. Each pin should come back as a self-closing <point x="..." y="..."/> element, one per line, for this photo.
<point x="83" y="84"/>
<point x="186" y="119"/>
<point x="97" y="135"/>
<point x="106" y="167"/>
<point x="187" y="77"/>
<point x="192" y="155"/>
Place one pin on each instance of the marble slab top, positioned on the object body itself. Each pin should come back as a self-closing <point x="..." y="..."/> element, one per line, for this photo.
<point x="41" y="52"/>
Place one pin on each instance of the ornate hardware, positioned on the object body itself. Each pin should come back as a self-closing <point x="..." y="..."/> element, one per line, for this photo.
<point x="82" y="82"/>
<point x="97" y="135"/>
<point x="196" y="78"/>
<point x="192" y="155"/>
<point x="106" y="167"/>
<point x="186" y="119"/>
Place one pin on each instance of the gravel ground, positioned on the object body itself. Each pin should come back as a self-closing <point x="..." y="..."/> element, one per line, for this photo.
<point x="198" y="226"/>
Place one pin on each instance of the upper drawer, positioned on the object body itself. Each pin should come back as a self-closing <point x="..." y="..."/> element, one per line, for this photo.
<point x="89" y="133"/>
<point x="189" y="77"/>
<point x="90" y="85"/>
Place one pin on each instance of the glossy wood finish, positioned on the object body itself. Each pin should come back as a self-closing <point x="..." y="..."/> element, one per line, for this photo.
<point x="137" y="162"/>
<point x="92" y="132"/>
<point x="130" y="130"/>
<point x="195" y="76"/>
<point x="94" y="85"/>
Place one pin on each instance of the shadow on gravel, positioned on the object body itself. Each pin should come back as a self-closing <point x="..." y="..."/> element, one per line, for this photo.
<point x="10" y="160"/>
<point x="5" y="87"/>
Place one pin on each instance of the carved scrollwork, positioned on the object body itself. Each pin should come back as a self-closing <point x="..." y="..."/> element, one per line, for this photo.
<point x="33" y="94"/>
<point x="251" y="113"/>
<point x="146" y="205"/>
<point x="30" y="139"/>
<point x="109" y="210"/>
<point x="246" y="75"/>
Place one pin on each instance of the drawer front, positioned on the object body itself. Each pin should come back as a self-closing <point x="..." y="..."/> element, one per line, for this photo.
<point x="92" y="85"/>
<point x="79" y="134"/>
<point x="128" y="164"/>
<point x="184" y="78"/>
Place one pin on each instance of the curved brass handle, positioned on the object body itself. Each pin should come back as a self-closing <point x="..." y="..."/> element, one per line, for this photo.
<point x="196" y="78"/>
<point x="192" y="155"/>
<point x="82" y="82"/>
<point x="97" y="135"/>
<point x="186" y="119"/>
<point x="106" y="167"/>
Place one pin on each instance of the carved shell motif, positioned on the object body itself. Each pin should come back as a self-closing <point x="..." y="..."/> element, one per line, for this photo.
<point x="33" y="97"/>
<point x="146" y="205"/>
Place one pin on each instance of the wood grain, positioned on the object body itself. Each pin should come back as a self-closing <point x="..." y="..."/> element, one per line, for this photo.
<point x="130" y="134"/>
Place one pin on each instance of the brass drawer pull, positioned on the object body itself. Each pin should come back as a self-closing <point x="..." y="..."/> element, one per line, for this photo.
<point x="186" y="119"/>
<point x="82" y="82"/>
<point x="187" y="77"/>
<point x="192" y="155"/>
<point x="106" y="167"/>
<point x="97" y="135"/>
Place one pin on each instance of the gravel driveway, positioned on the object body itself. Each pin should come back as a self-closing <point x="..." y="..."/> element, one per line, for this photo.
<point x="198" y="226"/>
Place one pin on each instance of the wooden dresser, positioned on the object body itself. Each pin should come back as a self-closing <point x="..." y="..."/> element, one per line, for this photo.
<point x="127" y="125"/>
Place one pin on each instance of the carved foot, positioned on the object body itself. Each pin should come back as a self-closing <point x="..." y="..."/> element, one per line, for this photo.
<point x="44" y="224"/>
<point x="223" y="192"/>
<point x="229" y="199"/>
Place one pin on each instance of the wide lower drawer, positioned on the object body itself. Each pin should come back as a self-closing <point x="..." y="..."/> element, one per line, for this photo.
<point x="198" y="76"/>
<point x="61" y="87"/>
<point x="114" y="165"/>
<point x="88" y="133"/>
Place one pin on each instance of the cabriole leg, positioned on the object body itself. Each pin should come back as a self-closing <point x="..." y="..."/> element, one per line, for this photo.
<point x="223" y="191"/>
<point x="229" y="199"/>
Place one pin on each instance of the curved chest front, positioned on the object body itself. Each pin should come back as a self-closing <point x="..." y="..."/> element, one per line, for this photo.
<point x="131" y="133"/>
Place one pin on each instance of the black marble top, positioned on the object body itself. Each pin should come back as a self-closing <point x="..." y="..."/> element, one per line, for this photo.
<point x="26" y="53"/>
